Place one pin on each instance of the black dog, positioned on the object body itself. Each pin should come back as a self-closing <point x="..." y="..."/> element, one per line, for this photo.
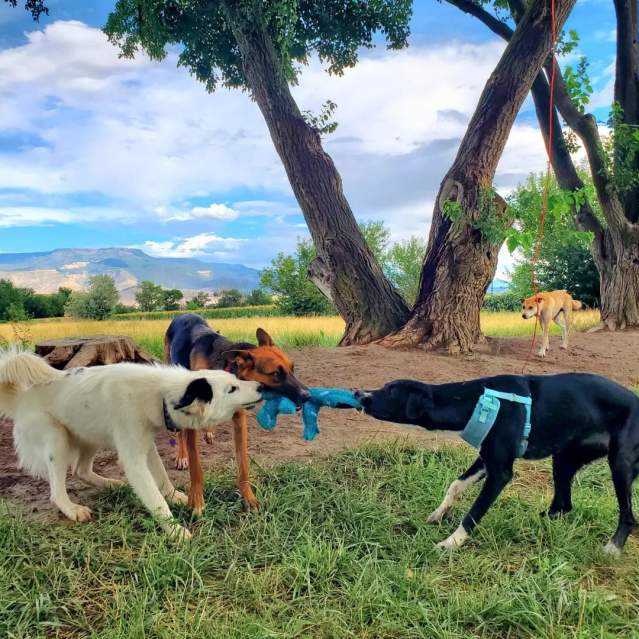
<point x="576" y="418"/>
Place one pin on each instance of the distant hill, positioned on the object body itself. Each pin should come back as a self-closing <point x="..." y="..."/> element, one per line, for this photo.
<point x="46" y="272"/>
<point x="498" y="286"/>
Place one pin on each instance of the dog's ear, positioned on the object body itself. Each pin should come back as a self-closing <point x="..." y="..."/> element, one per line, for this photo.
<point x="198" y="389"/>
<point x="263" y="338"/>
<point x="414" y="406"/>
<point x="241" y="357"/>
<point x="539" y="299"/>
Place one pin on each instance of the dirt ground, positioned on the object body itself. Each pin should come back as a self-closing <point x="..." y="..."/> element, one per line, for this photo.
<point x="614" y="355"/>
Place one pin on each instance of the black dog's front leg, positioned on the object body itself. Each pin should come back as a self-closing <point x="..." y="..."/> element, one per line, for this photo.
<point x="496" y="480"/>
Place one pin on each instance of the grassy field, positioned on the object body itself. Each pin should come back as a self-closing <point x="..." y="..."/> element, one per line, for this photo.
<point x="290" y="332"/>
<point x="339" y="549"/>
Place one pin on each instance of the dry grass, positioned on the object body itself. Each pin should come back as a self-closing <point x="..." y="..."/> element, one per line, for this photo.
<point x="506" y="324"/>
<point x="287" y="331"/>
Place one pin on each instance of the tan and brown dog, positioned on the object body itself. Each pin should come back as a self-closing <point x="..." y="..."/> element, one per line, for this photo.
<point x="192" y="343"/>
<point x="555" y="306"/>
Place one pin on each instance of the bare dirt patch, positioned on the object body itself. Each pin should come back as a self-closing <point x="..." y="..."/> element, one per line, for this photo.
<point x="615" y="355"/>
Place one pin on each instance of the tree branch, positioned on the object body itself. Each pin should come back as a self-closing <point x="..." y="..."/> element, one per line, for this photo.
<point x="627" y="68"/>
<point x="495" y="25"/>
<point x="562" y="163"/>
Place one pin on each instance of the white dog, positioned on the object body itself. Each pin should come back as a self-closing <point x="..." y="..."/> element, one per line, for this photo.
<point x="63" y="417"/>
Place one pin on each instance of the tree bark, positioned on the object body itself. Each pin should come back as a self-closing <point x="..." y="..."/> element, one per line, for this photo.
<point x="614" y="246"/>
<point x="97" y="350"/>
<point x="461" y="258"/>
<point x="350" y="275"/>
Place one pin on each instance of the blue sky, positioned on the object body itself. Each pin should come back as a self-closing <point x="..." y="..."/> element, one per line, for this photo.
<point x="97" y="151"/>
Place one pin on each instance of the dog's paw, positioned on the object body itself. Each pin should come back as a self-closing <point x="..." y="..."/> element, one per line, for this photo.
<point x="457" y="539"/>
<point x="178" y="533"/>
<point x="178" y="497"/>
<point x="250" y="502"/>
<point x="181" y="463"/>
<point x="564" y="346"/>
<point x="79" y="513"/>
<point x="612" y="550"/>
<point x="541" y="354"/>
<point x="208" y="437"/>
<point x="437" y="516"/>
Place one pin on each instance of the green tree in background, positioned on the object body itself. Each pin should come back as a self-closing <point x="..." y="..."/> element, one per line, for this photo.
<point x="171" y="298"/>
<point x="403" y="264"/>
<point x="199" y="300"/>
<point x="287" y="278"/>
<point x="149" y="296"/>
<point x="565" y="260"/>
<point x="258" y="297"/>
<point x="230" y="298"/>
<point x="98" y="302"/>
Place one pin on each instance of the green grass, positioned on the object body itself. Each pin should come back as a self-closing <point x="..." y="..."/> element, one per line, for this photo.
<point x="339" y="549"/>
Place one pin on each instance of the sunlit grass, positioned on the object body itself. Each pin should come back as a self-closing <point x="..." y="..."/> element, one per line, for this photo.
<point x="291" y="332"/>
<point x="505" y="324"/>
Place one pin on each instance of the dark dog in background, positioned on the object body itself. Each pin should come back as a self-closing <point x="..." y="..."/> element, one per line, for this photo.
<point x="576" y="418"/>
<point x="190" y="342"/>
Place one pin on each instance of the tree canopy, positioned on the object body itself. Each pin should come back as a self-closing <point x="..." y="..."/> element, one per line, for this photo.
<point x="333" y="29"/>
<point x="35" y="7"/>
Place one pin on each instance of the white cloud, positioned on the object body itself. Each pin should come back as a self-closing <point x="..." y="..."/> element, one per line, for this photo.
<point x="211" y="212"/>
<point x="148" y="136"/>
<point x="32" y="216"/>
<point x="195" y="246"/>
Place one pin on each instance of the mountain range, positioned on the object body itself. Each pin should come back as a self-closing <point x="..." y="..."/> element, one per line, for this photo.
<point x="47" y="271"/>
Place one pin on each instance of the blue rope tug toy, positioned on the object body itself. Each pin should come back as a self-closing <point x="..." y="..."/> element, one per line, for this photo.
<point x="276" y="404"/>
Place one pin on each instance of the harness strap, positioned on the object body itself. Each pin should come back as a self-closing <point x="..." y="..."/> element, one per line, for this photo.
<point x="485" y="415"/>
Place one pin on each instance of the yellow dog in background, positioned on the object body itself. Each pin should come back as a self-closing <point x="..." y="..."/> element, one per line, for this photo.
<point x="555" y="306"/>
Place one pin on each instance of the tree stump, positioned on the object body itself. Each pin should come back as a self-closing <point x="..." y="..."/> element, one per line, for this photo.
<point x="97" y="350"/>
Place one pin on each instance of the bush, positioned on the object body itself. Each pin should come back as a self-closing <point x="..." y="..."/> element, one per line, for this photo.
<point x="97" y="303"/>
<point x="230" y="299"/>
<point x="286" y="277"/>
<point x="502" y="302"/>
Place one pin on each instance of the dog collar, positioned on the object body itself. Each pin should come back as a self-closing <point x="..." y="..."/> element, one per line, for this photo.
<point x="168" y="420"/>
<point x="485" y="415"/>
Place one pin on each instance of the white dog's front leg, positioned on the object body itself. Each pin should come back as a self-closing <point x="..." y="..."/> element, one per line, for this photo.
<point x="162" y="479"/>
<point x="143" y="483"/>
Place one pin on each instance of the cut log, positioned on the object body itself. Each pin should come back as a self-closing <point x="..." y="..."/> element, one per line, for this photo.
<point x="96" y="350"/>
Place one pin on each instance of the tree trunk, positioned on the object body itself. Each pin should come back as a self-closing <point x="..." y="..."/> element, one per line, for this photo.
<point x="350" y="275"/>
<point x="620" y="282"/>
<point x="613" y="247"/>
<point x="461" y="257"/>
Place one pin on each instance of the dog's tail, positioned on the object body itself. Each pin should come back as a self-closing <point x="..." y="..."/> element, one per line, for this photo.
<point x="20" y="370"/>
<point x="576" y="305"/>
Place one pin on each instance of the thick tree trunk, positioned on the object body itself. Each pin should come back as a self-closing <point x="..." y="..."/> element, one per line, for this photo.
<point x="620" y="283"/>
<point x="461" y="256"/>
<point x="615" y="246"/>
<point x="350" y="275"/>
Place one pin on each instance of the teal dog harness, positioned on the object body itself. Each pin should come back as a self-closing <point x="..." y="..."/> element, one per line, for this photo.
<point x="485" y="414"/>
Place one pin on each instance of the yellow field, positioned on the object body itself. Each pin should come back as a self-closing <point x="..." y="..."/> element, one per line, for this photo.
<point x="512" y="324"/>
<point x="287" y="331"/>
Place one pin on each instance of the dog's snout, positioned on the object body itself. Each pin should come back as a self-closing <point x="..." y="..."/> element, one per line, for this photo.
<point x="363" y="397"/>
<point x="305" y="395"/>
